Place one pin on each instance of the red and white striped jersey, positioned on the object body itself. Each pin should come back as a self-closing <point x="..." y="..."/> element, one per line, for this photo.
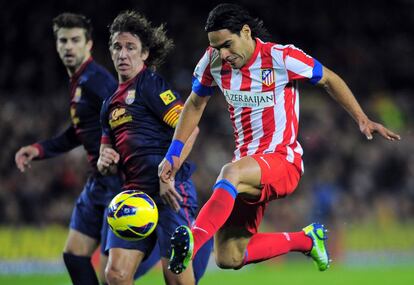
<point x="263" y="96"/>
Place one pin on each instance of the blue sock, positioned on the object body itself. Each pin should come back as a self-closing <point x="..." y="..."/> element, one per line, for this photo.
<point x="80" y="269"/>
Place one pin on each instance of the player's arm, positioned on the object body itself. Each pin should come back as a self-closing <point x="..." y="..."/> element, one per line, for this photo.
<point x="108" y="160"/>
<point x="339" y="90"/>
<point x="188" y="146"/>
<point x="187" y="124"/>
<point x="55" y="146"/>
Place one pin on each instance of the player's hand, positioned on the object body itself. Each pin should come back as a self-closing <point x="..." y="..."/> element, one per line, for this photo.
<point x="368" y="128"/>
<point x="24" y="156"/>
<point x="166" y="171"/>
<point x="169" y="195"/>
<point x="108" y="159"/>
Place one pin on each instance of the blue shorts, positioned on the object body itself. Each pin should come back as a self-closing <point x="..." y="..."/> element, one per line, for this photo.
<point x="168" y="221"/>
<point x="88" y="215"/>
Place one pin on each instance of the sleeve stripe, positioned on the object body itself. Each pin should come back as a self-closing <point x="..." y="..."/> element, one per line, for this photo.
<point x="40" y="149"/>
<point x="173" y="121"/>
<point x="105" y="140"/>
<point x="171" y="112"/>
<point x="200" y="89"/>
<point x="317" y="72"/>
<point x="172" y="115"/>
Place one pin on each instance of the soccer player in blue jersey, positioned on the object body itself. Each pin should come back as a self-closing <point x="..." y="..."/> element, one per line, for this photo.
<point x="89" y="85"/>
<point x="138" y="123"/>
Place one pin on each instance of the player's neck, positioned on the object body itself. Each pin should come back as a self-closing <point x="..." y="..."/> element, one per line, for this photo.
<point x="74" y="70"/>
<point x="128" y="77"/>
<point x="252" y="48"/>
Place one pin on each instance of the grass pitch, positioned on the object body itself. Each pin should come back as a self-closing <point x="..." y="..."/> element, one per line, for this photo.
<point x="292" y="273"/>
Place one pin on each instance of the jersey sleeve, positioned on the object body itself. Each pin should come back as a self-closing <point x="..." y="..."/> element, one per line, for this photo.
<point x="165" y="103"/>
<point x="105" y="137"/>
<point x="301" y="66"/>
<point x="203" y="82"/>
<point x="63" y="142"/>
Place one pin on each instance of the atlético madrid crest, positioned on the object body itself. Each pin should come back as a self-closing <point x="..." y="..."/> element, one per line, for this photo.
<point x="268" y="76"/>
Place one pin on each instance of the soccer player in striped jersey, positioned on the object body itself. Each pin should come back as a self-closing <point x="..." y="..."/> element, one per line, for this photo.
<point x="138" y="123"/>
<point x="259" y="80"/>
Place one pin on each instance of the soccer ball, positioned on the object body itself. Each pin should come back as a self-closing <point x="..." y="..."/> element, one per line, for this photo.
<point x="132" y="215"/>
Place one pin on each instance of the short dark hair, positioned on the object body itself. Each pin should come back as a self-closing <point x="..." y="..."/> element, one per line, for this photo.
<point x="71" y="20"/>
<point x="233" y="17"/>
<point x="153" y="39"/>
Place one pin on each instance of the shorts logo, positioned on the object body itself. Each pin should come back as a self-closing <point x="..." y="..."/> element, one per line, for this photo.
<point x="264" y="160"/>
<point x="118" y="117"/>
<point x="129" y="99"/>
<point x="78" y="94"/>
<point x="167" y="97"/>
<point x="268" y="76"/>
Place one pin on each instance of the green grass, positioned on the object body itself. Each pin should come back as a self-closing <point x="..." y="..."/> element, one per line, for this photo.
<point x="292" y="273"/>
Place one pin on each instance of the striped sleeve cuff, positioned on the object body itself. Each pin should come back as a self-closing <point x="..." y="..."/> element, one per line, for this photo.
<point x="105" y="140"/>
<point x="200" y="89"/>
<point x="40" y="149"/>
<point x="317" y="72"/>
<point x="172" y="116"/>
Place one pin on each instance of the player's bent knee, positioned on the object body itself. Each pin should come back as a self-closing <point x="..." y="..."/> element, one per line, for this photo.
<point x="230" y="172"/>
<point x="114" y="275"/>
<point x="229" y="261"/>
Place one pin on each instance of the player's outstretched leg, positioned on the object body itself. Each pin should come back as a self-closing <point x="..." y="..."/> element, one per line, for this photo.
<point x="319" y="253"/>
<point x="182" y="245"/>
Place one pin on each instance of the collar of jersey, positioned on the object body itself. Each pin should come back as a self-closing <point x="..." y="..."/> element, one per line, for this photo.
<point x="254" y="55"/>
<point x="81" y="69"/>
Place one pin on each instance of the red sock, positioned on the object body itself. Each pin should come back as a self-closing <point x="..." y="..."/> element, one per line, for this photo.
<point x="264" y="246"/>
<point x="214" y="213"/>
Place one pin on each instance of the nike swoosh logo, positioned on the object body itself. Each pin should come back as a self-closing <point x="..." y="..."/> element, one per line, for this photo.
<point x="201" y="229"/>
<point x="261" y="157"/>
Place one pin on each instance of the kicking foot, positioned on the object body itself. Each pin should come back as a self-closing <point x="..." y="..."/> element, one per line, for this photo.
<point x="319" y="252"/>
<point x="182" y="244"/>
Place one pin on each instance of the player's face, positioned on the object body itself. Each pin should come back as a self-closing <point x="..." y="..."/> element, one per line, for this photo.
<point x="73" y="48"/>
<point x="127" y="55"/>
<point x="235" y="49"/>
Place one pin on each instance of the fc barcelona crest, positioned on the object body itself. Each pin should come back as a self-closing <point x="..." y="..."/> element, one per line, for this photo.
<point x="268" y="76"/>
<point x="78" y="94"/>
<point x="129" y="99"/>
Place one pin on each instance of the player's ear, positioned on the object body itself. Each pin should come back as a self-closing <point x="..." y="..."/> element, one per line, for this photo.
<point x="89" y="44"/>
<point x="145" y="54"/>
<point x="246" y="31"/>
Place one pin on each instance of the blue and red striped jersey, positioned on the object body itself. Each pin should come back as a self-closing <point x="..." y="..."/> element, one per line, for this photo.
<point x="89" y="87"/>
<point x="138" y="121"/>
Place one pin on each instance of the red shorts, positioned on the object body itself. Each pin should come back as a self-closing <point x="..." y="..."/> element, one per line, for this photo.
<point x="279" y="179"/>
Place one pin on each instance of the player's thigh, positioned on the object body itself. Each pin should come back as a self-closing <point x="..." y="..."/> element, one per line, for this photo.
<point x="80" y="244"/>
<point x="184" y="278"/>
<point x="230" y="244"/>
<point x="244" y="174"/>
<point x="124" y="262"/>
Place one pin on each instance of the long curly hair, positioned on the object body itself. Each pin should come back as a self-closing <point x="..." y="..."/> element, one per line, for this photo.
<point x="153" y="39"/>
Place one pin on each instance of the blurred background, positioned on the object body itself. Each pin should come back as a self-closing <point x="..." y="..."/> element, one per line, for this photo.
<point x="363" y="190"/>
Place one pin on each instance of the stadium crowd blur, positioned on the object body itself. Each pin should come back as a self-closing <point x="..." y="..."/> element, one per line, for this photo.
<point x="370" y="44"/>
